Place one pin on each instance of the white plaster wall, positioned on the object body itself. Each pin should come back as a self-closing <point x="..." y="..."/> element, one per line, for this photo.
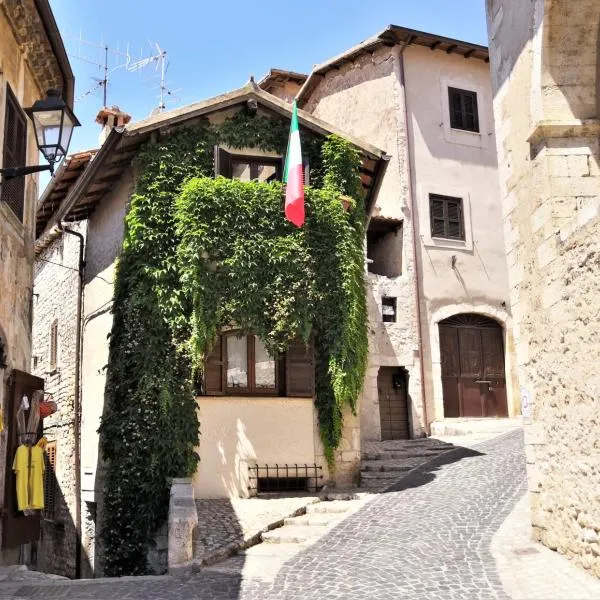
<point x="462" y="164"/>
<point x="237" y="432"/>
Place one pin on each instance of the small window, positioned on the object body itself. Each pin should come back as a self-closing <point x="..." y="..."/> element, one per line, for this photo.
<point x="388" y="309"/>
<point x="240" y="364"/>
<point x="446" y="217"/>
<point x="54" y="345"/>
<point x="14" y="153"/>
<point x="50" y="481"/>
<point x="463" y="109"/>
<point x="246" y="168"/>
<point x="249" y="368"/>
<point x="384" y="247"/>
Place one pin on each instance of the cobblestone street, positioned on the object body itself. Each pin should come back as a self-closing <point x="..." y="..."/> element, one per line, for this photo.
<point x="430" y="537"/>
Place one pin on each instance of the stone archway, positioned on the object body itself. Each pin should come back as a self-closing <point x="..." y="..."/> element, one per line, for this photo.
<point x="502" y="317"/>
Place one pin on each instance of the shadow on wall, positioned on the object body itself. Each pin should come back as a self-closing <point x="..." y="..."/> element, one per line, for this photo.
<point x="56" y="551"/>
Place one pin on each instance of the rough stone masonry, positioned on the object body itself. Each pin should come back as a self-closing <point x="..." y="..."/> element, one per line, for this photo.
<point x="544" y="62"/>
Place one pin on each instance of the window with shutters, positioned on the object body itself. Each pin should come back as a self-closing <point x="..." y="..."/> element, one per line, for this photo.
<point x="463" y="109"/>
<point x="247" y="168"/>
<point x="50" y="481"/>
<point x="241" y="365"/>
<point x="53" y="358"/>
<point x="446" y="216"/>
<point x="14" y="153"/>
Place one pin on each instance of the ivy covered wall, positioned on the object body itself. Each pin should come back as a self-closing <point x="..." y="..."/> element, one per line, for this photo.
<point x="201" y="253"/>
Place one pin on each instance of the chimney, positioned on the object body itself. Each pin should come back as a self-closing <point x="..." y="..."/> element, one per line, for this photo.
<point x="110" y="117"/>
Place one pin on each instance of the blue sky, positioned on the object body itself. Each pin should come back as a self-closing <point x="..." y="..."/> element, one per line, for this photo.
<point x="215" y="46"/>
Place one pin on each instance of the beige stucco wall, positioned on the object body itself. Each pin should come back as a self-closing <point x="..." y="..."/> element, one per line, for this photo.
<point x="240" y="432"/>
<point x="544" y="59"/>
<point x="462" y="164"/>
<point x="398" y="100"/>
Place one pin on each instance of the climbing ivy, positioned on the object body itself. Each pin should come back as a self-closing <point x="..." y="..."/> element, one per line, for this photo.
<point x="200" y="253"/>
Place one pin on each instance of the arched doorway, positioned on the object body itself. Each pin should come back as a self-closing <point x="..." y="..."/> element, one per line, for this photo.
<point x="472" y="360"/>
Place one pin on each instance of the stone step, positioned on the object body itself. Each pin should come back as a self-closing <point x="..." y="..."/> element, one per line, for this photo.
<point x="312" y="520"/>
<point x="400" y="455"/>
<point x="379" y="476"/>
<point x="290" y="534"/>
<point x="375" y="466"/>
<point x="335" y="506"/>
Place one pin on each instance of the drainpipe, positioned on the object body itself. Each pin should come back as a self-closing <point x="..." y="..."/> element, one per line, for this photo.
<point x="414" y="237"/>
<point x="77" y="397"/>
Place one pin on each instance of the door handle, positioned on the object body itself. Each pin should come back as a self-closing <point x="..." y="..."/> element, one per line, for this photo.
<point x="482" y="381"/>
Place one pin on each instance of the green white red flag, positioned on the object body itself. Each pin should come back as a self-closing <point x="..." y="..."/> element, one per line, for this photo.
<point x="293" y="177"/>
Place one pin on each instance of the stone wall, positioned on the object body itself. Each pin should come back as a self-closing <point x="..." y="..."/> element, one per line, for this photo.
<point x="544" y="65"/>
<point x="55" y="287"/>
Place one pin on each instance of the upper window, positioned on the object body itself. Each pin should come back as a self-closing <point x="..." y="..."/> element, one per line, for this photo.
<point x="53" y="358"/>
<point x="247" y="168"/>
<point x="446" y="215"/>
<point x="241" y="365"/>
<point x="463" y="109"/>
<point x="14" y="153"/>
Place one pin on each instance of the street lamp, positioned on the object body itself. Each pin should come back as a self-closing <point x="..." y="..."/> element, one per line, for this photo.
<point x="53" y="122"/>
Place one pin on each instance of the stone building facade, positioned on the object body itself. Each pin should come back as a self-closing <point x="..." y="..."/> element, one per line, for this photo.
<point x="394" y="89"/>
<point x="237" y="431"/>
<point x="56" y="277"/>
<point x="544" y="57"/>
<point x="32" y="60"/>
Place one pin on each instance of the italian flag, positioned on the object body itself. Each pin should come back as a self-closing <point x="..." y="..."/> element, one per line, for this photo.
<point x="293" y="177"/>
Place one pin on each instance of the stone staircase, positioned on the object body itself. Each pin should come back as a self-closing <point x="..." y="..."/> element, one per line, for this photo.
<point x="383" y="463"/>
<point x="264" y="560"/>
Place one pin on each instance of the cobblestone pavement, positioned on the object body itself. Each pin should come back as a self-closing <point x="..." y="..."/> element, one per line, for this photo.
<point x="225" y="524"/>
<point x="429" y="538"/>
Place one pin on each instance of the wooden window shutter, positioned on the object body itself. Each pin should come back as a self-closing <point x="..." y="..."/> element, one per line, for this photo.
<point x="14" y="153"/>
<point x="222" y="162"/>
<point x="300" y="369"/>
<point x="436" y="208"/>
<point x="50" y="481"/>
<point x="213" y="370"/>
<point x="53" y="345"/>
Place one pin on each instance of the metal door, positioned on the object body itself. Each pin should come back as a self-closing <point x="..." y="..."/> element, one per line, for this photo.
<point x="472" y="356"/>
<point x="393" y="405"/>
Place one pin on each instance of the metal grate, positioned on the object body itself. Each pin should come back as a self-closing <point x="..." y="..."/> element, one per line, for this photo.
<point x="50" y="481"/>
<point x="14" y="154"/>
<point x="285" y="478"/>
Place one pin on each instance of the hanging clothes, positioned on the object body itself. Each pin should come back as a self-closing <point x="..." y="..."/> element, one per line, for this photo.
<point x="29" y="467"/>
<point x="21" y="469"/>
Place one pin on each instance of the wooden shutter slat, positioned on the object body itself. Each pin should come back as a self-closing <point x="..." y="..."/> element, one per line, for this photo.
<point x="213" y="369"/>
<point x="222" y="162"/>
<point x="300" y="369"/>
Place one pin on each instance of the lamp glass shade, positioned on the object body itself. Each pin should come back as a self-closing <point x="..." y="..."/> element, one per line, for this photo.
<point x="53" y="122"/>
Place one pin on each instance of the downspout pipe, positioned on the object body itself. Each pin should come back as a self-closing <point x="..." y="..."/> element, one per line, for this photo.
<point x="414" y="237"/>
<point x="77" y="395"/>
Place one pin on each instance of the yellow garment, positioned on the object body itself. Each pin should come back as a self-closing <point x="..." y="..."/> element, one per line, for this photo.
<point x="29" y="467"/>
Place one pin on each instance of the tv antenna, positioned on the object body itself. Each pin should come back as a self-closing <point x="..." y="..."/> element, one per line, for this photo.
<point x="123" y="60"/>
<point x="160" y="59"/>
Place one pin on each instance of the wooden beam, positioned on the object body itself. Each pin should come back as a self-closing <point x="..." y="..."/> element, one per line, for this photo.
<point x="451" y="48"/>
<point x="411" y="39"/>
<point x="435" y="45"/>
<point x="469" y="53"/>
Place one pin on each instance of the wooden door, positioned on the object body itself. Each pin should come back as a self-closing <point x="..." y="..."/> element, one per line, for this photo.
<point x="393" y="405"/>
<point x="472" y="357"/>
